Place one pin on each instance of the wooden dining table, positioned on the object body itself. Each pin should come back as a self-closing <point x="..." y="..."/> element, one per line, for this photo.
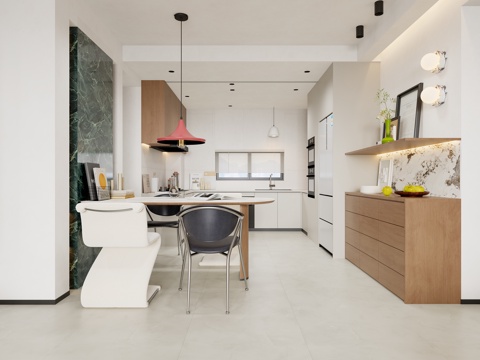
<point x="243" y="202"/>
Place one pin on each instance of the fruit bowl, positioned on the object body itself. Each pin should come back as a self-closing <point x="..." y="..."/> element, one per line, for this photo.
<point x="412" y="194"/>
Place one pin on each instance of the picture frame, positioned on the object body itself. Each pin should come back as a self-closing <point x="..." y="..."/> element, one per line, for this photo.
<point x="385" y="173"/>
<point x="409" y="108"/>
<point x="394" y="128"/>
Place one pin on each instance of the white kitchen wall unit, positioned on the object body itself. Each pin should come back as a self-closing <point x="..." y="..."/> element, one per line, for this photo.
<point x="266" y="214"/>
<point x="284" y="213"/>
<point x="289" y="210"/>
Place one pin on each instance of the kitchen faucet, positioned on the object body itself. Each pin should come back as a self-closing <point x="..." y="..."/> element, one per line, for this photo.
<point x="270" y="183"/>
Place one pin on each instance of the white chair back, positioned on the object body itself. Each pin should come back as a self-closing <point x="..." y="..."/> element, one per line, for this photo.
<point x="113" y="224"/>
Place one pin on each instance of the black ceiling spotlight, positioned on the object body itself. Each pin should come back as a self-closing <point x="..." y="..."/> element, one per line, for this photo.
<point x="359" y="31"/>
<point x="379" y="8"/>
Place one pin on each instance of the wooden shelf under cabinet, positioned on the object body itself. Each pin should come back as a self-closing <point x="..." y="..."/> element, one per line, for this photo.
<point x="401" y="144"/>
<point x="409" y="245"/>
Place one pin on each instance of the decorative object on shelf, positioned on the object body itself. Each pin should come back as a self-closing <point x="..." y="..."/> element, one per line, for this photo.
<point x="378" y="9"/>
<point x="385" y="173"/>
<point x="394" y="128"/>
<point x="434" y="96"/>
<point x="386" y="114"/>
<point x="273" y="133"/>
<point x="434" y="62"/>
<point x="409" y="108"/>
<point x="412" y="194"/>
<point x="370" y="189"/>
<point x="359" y="31"/>
<point x="180" y="135"/>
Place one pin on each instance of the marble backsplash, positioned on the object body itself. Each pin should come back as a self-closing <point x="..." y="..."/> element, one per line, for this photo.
<point x="436" y="167"/>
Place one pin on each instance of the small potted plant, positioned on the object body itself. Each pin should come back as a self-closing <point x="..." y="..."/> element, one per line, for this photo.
<point x="386" y="113"/>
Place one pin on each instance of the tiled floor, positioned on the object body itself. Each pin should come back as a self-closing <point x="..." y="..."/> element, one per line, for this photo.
<point x="302" y="305"/>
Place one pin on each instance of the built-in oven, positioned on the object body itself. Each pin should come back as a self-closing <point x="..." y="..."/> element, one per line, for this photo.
<point x="311" y="167"/>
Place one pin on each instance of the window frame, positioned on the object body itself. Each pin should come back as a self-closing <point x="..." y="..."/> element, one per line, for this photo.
<point x="249" y="165"/>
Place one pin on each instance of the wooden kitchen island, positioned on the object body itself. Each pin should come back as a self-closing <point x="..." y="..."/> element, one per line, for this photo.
<point x="243" y="202"/>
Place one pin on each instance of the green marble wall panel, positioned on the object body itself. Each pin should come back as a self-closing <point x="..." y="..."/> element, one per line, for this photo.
<point x="91" y="135"/>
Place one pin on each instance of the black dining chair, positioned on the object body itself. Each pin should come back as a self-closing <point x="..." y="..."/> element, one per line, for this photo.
<point x="164" y="211"/>
<point x="210" y="230"/>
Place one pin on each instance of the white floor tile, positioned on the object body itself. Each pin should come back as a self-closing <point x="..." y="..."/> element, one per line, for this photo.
<point x="302" y="304"/>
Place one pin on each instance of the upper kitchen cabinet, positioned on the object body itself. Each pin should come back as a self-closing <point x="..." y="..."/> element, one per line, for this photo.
<point x="160" y="111"/>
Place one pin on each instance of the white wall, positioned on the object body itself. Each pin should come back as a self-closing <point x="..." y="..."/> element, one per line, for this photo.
<point x="448" y="28"/>
<point x="348" y="90"/>
<point x="470" y="106"/>
<point x="34" y="142"/>
<point x="246" y="130"/>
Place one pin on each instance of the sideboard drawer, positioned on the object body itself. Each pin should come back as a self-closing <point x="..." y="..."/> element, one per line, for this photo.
<point x="391" y="257"/>
<point x="362" y="242"/>
<point x="392" y="280"/>
<point x="362" y="224"/>
<point x="362" y="261"/>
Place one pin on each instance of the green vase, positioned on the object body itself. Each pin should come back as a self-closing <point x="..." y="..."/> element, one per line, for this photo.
<point x="388" y="136"/>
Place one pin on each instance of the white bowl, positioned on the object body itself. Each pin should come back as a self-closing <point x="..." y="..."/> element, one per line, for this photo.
<point x="370" y="189"/>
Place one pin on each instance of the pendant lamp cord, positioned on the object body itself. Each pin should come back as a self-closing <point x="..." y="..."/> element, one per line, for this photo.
<point x="181" y="70"/>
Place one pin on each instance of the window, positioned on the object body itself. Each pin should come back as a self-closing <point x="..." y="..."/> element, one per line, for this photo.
<point x="249" y="165"/>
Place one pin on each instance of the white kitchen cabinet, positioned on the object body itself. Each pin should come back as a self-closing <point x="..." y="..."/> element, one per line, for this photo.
<point x="289" y="210"/>
<point x="266" y="214"/>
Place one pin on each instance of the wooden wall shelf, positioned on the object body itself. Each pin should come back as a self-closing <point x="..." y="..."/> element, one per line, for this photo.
<point x="398" y="145"/>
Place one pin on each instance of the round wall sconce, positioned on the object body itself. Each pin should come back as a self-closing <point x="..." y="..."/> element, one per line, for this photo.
<point x="434" y="96"/>
<point x="434" y="62"/>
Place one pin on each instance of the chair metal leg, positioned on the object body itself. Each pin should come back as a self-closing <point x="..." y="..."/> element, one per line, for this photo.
<point x="243" y="266"/>
<point x="227" y="311"/>
<point x="178" y="241"/>
<point x="189" y="281"/>
<point x="183" y="270"/>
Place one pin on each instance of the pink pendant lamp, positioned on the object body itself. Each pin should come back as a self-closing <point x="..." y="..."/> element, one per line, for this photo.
<point x="181" y="136"/>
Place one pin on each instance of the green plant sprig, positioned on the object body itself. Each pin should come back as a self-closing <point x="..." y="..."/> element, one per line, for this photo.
<point x="384" y="100"/>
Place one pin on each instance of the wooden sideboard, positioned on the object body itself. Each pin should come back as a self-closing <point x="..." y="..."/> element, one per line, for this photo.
<point x="409" y="245"/>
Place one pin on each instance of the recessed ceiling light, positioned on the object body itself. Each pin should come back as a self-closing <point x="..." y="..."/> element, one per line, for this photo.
<point x="232" y="89"/>
<point x="187" y="95"/>
<point x="295" y="89"/>
<point x="230" y="105"/>
<point x="232" y="84"/>
<point x="171" y="71"/>
<point x="306" y="71"/>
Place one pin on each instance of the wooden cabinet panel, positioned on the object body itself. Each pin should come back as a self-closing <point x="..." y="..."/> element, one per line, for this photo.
<point x="392" y="280"/>
<point x="362" y="224"/>
<point x="362" y="260"/>
<point x="391" y="257"/>
<point x="391" y="212"/>
<point x="418" y="244"/>
<point x="392" y="235"/>
<point x="160" y="110"/>
<point x="362" y="242"/>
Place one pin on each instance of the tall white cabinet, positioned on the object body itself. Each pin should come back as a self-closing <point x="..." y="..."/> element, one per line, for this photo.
<point x="348" y="90"/>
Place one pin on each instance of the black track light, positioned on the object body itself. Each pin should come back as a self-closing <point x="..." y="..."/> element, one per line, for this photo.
<point x="379" y="8"/>
<point x="359" y="31"/>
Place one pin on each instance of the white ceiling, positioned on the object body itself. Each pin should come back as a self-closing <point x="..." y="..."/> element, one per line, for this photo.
<point x="264" y="47"/>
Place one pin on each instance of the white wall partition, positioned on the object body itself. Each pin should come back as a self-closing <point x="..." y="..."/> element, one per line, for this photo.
<point x="446" y="27"/>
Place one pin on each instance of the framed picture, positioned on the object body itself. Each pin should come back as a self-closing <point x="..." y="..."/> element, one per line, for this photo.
<point x="394" y="128"/>
<point x="385" y="173"/>
<point x="409" y="108"/>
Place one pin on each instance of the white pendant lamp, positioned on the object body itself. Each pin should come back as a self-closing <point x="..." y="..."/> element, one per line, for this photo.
<point x="273" y="133"/>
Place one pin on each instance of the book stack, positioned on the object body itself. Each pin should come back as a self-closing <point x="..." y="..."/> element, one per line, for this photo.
<point x="121" y="194"/>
